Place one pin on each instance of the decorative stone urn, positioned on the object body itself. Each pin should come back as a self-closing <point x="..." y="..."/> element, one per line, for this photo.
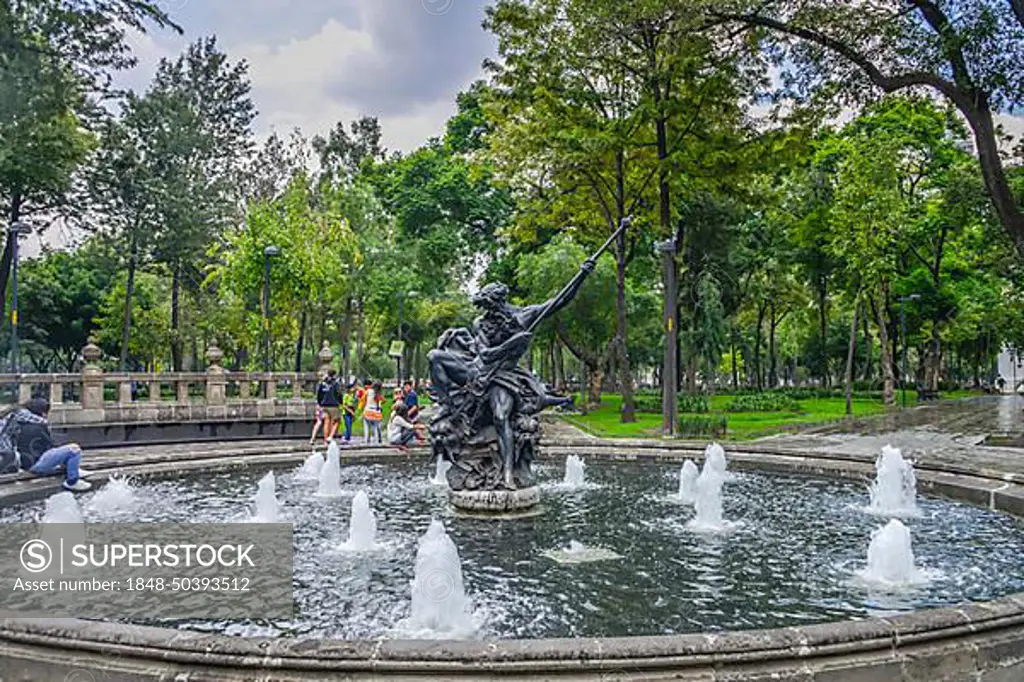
<point x="216" y="382"/>
<point x="92" y="377"/>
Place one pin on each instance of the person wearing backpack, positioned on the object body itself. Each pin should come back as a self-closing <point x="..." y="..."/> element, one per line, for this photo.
<point x="328" y="398"/>
<point x="25" y="434"/>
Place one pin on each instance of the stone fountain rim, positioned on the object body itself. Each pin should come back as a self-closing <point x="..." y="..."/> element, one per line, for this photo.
<point x="879" y="636"/>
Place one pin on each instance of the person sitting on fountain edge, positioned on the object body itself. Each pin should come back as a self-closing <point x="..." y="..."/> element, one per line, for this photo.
<point x="26" y="433"/>
<point x="401" y="431"/>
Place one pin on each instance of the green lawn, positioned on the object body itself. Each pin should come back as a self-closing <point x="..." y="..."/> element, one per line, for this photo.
<point x="604" y="421"/>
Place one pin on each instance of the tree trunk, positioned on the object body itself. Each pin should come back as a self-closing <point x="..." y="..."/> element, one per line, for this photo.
<point x="360" y="331"/>
<point x="559" y="366"/>
<point x="129" y="292"/>
<point x="732" y="350"/>
<point x="757" y="346"/>
<point x="885" y="361"/>
<point x="176" y="346"/>
<point x="823" y="329"/>
<point x="346" y="341"/>
<point x="1009" y="212"/>
<point x="8" y="255"/>
<point x="773" y="378"/>
<point x="850" y="354"/>
<point x="298" y="344"/>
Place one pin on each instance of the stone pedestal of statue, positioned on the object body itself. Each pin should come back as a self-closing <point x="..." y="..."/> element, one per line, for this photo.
<point x="477" y="481"/>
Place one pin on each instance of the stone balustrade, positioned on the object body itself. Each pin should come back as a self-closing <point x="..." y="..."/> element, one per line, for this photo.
<point x="97" y="397"/>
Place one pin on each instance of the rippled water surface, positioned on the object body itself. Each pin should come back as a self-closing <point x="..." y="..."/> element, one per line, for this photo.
<point x="789" y="561"/>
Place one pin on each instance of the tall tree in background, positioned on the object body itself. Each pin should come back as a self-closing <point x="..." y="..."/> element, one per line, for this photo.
<point x="56" y="61"/>
<point x="202" y="103"/>
<point x="971" y="52"/>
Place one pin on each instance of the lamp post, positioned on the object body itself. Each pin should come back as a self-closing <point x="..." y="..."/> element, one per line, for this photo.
<point x="401" y="330"/>
<point x="268" y="253"/>
<point x="15" y="231"/>
<point x="670" y="366"/>
<point x="903" y="333"/>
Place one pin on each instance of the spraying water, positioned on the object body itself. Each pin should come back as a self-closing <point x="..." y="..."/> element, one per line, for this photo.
<point x="439" y="602"/>
<point x="894" y="491"/>
<point x="891" y="557"/>
<point x="708" y="502"/>
<point x="688" y="482"/>
<point x="310" y="468"/>
<point x="62" y="508"/>
<point x="575" y="472"/>
<point x="330" y="474"/>
<point x="362" y="527"/>
<point x="714" y="459"/>
<point x="441" y="471"/>
<point x="267" y="508"/>
<point x="117" y="496"/>
<point x="578" y="553"/>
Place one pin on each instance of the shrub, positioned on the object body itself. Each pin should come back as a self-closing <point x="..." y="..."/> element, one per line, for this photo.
<point x="763" y="402"/>
<point x="694" y="403"/>
<point x="703" y="425"/>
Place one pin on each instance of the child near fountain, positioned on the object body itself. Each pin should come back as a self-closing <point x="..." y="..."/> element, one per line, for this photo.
<point x="26" y="432"/>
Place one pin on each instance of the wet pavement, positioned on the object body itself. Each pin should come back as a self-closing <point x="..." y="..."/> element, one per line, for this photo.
<point x="986" y="431"/>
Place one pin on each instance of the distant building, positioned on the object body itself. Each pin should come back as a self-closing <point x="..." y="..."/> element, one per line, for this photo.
<point x="1010" y="373"/>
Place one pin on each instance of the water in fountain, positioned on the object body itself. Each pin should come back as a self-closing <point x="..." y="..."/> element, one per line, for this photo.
<point x="62" y="508"/>
<point x="574" y="472"/>
<point x="330" y="474"/>
<point x="894" y="492"/>
<point x="440" y="607"/>
<point x="267" y="507"/>
<point x="708" y="502"/>
<point x="578" y="553"/>
<point x="362" y="527"/>
<point x="714" y="459"/>
<point x="891" y="558"/>
<point x="441" y="471"/>
<point x="116" y="497"/>
<point x="688" y="482"/>
<point x="310" y="468"/>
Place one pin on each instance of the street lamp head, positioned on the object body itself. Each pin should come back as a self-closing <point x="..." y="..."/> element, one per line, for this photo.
<point x="271" y="251"/>
<point x="413" y="293"/>
<point x="914" y="297"/>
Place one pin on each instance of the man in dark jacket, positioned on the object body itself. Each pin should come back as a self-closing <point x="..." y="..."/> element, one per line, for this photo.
<point x="26" y="431"/>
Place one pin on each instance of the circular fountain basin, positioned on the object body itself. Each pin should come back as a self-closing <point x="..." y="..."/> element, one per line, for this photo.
<point x="829" y="638"/>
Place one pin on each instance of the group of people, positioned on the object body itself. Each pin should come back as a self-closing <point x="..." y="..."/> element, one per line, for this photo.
<point x="338" y="404"/>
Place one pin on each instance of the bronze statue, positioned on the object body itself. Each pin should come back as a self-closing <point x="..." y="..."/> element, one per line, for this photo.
<point x="487" y="424"/>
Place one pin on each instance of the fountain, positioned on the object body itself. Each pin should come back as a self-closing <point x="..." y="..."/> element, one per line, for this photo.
<point x="714" y="458"/>
<point x="439" y="602"/>
<point x="267" y="507"/>
<point x="362" y="528"/>
<point x="441" y="472"/>
<point x="891" y="558"/>
<point x="578" y="553"/>
<point x="575" y="472"/>
<point x="62" y="508"/>
<point x="894" y="490"/>
<point x="688" y="482"/>
<point x="708" y="502"/>
<point x="310" y="468"/>
<point x="330" y="474"/>
<point x="117" y="496"/>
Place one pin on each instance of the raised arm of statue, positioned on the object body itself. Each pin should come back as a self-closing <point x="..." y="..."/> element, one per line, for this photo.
<point x="535" y="314"/>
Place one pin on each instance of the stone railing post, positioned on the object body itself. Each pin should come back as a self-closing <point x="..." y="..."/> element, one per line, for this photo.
<point x="24" y="392"/>
<point x="216" y="383"/>
<point x="326" y="358"/>
<point x="92" y="378"/>
<point x="56" y="393"/>
<point x="269" y="387"/>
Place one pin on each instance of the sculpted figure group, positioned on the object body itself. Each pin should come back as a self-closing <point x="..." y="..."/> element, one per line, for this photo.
<point x="487" y="425"/>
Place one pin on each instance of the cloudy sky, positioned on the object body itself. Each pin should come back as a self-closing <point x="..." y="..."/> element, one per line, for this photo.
<point x="315" y="62"/>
